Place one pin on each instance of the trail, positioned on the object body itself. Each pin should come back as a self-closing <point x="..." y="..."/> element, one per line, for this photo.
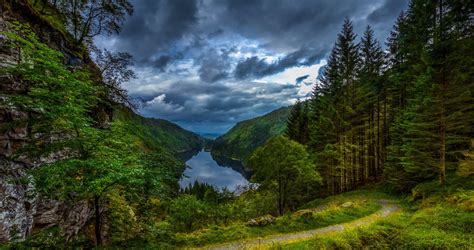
<point x="387" y="209"/>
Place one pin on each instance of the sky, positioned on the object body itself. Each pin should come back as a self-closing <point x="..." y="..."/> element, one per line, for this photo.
<point x="207" y="64"/>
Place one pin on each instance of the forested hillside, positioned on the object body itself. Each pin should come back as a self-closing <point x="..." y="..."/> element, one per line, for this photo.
<point x="161" y="133"/>
<point x="246" y="136"/>
<point x="405" y="115"/>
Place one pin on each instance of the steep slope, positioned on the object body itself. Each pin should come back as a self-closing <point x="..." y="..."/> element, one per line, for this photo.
<point x="27" y="211"/>
<point x="157" y="133"/>
<point x="247" y="135"/>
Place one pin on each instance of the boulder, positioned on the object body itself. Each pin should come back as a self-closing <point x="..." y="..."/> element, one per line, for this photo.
<point x="347" y="204"/>
<point x="261" y="221"/>
<point x="304" y="213"/>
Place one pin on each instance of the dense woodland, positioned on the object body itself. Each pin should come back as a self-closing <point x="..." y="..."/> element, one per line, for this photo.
<point x="404" y="114"/>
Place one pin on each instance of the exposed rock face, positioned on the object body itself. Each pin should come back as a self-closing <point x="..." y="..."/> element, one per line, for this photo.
<point x="17" y="201"/>
<point x="22" y="211"/>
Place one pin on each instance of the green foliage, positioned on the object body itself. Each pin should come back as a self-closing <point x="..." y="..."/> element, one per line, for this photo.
<point x="108" y="158"/>
<point x="87" y="19"/>
<point x="187" y="212"/>
<point x="466" y="166"/>
<point x="57" y="97"/>
<point x="442" y="220"/>
<point x="333" y="214"/>
<point x="158" y="133"/>
<point x="208" y="193"/>
<point x="298" y="122"/>
<point x="430" y="131"/>
<point x="283" y="166"/>
<point x="127" y="173"/>
<point x="247" y="135"/>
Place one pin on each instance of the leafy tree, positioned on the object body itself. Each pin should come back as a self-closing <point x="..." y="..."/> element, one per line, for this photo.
<point x="283" y="166"/>
<point x="86" y="19"/>
<point x="106" y="160"/>
<point x="56" y="98"/>
<point x="115" y="70"/>
<point x="186" y="212"/>
<point x="87" y="162"/>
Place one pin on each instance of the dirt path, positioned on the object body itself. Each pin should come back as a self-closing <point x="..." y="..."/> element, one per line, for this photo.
<point x="387" y="209"/>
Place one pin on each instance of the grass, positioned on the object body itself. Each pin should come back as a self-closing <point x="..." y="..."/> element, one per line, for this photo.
<point x="442" y="219"/>
<point x="333" y="213"/>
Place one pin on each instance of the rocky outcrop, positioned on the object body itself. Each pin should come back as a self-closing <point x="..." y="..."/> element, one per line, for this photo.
<point x="22" y="210"/>
<point x="18" y="201"/>
<point x="261" y="221"/>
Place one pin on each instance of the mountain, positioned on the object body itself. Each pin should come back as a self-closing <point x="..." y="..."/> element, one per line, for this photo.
<point x="246" y="136"/>
<point x="157" y="133"/>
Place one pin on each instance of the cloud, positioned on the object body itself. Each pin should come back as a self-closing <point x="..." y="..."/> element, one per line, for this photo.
<point x="214" y="65"/>
<point x="162" y="62"/>
<point x="155" y="27"/>
<point x="255" y="67"/>
<point x="207" y="64"/>
<point x="301" y="78"/>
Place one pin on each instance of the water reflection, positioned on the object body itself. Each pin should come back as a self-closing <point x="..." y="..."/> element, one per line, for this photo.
<point x="221" y="173"/>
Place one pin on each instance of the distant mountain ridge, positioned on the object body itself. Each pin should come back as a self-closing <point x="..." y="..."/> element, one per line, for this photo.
<point x="160" y="133"/>
<point x="246" y="136"/>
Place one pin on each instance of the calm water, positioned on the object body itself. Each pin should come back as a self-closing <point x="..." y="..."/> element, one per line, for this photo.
<point x="219" y="172"/>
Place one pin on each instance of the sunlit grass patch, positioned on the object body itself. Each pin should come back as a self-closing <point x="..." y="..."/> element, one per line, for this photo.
<point x="332" y="213"/>
<point x="443" y="219"/>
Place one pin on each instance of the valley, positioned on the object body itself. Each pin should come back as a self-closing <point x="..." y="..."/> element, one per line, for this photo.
<point x="236" y="124"/>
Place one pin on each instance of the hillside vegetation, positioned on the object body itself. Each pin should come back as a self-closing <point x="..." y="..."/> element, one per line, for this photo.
<point x="160" y="133"/>
<point x="246" y="136"/>
<point x="431" y="218"/>
<point x="91" y="162"/>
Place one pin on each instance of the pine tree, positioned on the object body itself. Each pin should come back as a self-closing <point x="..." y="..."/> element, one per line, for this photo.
<point x="348" y="62"/>
<point x="372" y="97"/>
<point x="293" y="122"/>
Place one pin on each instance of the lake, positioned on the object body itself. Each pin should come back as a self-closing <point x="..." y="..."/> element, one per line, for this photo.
<point x="219" y="172"/>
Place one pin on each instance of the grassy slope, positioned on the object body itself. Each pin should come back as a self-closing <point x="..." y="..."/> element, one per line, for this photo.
<point x="441" y="219"/>
<point x="364" y="204"/>
<point x="247" y="135"/>
<point x="158" y="133"/>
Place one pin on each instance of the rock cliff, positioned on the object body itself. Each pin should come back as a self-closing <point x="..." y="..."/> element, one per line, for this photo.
<point x="22" y="211"/>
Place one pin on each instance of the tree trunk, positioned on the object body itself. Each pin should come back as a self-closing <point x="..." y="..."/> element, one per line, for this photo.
<point x="98" y="236"/>
<point x="280" y="197"/>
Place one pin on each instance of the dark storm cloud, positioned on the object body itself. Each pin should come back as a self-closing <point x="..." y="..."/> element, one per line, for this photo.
<point x="301" y="78"/>
<point x="291" y="24"/>
<point x="222" y="107"/>
<point x="255" y="67"/>
<point x="382" y="19"/>
<point x="387" y="12"/>
<point x="162" y="62"/>
<point x="206" y="60"/>
<point x="214" y="65"/>
<point x="155" y="26"/>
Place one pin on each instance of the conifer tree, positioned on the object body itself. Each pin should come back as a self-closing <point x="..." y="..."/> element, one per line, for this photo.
<point x="293" y="122"/>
